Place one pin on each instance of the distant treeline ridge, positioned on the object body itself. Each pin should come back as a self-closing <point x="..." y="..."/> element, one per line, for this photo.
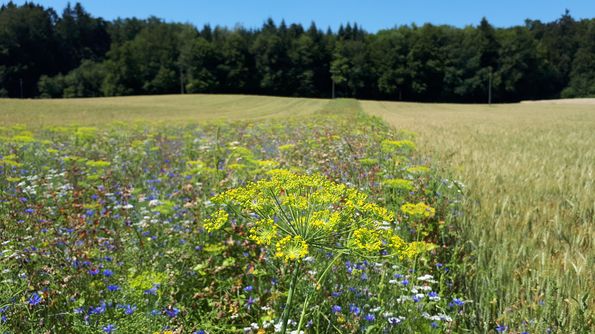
<point x="43" y="54"/>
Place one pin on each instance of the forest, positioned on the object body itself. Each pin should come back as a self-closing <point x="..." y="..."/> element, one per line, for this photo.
<point x="75" y="54"/>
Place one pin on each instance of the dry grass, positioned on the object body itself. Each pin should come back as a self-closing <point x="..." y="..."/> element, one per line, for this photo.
<point x="166" y="108"/>
<point x="530" y="212"/>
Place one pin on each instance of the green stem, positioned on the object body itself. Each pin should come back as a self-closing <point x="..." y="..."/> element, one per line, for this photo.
<point x="290" y="293"/>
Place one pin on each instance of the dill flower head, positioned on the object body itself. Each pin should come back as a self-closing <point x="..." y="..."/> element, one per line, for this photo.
<point x="291" y="248"/>
<point x="263" y="232"/>
<point x="398" y="184"/>
<point x="391" y="146"/>
<point x="216" y="221"/>
<point x="419" y="210"/>
<point x="367" y="239"/>
<point x="296" y="214"/>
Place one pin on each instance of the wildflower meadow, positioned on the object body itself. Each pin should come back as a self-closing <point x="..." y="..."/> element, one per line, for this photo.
<point x="325" y="224"/>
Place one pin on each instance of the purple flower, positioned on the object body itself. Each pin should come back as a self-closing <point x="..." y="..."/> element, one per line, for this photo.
<point x="129" y="309"/>
<point x="370" y="317"/>
<point x="35" y="299"/>
<point x="93" y="271"/>
<point x="109" y="328"/>
<point x="336" y="308"/>
<point x="249" y="288"/>
<point x="172" y="313"/>
<point x="249" y="302"/>
<point x="456" y="302"/>
<point x="153" y="290"/>
<point x="501" y="328"/>
<point x="354" y="309"/>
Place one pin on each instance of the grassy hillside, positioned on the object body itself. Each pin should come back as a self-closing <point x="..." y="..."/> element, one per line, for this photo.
<point x="528" y="170"/>
<point x="167" y="108"/>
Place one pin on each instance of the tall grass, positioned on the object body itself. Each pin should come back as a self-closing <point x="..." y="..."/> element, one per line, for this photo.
<point x="529" y="221"/>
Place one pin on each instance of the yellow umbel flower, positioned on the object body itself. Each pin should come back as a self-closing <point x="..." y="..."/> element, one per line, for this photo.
<point x="292" y="248"/>
<point x="398" y="184"/>
<point x="217" y="221"/>
<point x="420" y="210"/>
<point x="390" y="146"/>
<point x="367" y="239"/>
<point x="263" y="232"/>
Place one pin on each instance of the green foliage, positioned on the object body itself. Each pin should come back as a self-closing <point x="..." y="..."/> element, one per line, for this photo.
<point x="76" y="54"/>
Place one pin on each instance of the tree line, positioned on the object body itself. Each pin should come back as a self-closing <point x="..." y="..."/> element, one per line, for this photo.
<point x="43" y="54"/>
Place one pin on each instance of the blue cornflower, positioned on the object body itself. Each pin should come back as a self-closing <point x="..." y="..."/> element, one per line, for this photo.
<point x="129" y="309"/>
<point x="250" y="301"/>
<point x="173" y="312"/>
<point x="434" y="324"/>
<point x="336" y="294"/>
<point x="109" y="328"/>
<point x="153" y="290"/>
<point x="364" y="277"/>
<point x="370" y="317"/>
<point x="35" y="299"/>
<point x="336" y="308"/>
<point x="3" y="317"/>
<point x="405" y="282"/>
<point x="354" y="309"/>
<point x="456" y="302"/>
<point x="108" y="273"/>
<point x="93" y="271"/>
<point x="249" y="288"/>
<point x="501" y="328"/>
<point x="113" y="287"/>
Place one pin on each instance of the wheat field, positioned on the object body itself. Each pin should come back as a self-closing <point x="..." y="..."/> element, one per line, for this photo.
<point x="529" y="218"/>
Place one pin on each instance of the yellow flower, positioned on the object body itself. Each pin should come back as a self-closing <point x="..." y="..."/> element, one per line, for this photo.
<point x="292" y="248"/>
<point x="420" y="210"/>
<point x="398" y="184"/>
<point x="217" y="221"/>
<point x="390" y="146"/>
<point x="367" y="239"/>
<point x="263" y="232"/>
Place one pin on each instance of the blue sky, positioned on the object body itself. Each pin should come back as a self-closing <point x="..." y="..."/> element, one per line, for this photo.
<point x="371" y="14"/>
